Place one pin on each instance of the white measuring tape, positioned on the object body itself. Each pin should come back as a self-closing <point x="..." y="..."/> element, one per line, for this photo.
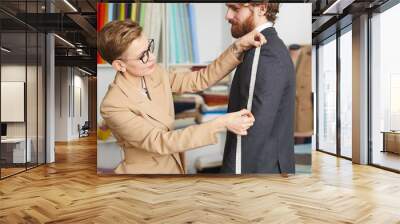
<point x="238" y="168"/>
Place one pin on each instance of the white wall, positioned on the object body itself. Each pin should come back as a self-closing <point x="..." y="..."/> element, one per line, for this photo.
<point x="294" y="23"/>
<point x="80" y="82"/>
<point x="66" y="121"/>
<point x="212" y="29"/>
<point x="61" y="104"/>
<point x="105" y="76"/>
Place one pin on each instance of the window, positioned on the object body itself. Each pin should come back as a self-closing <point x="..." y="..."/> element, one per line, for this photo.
<point x="22" y="75"/>
<point x="385" y="89"/>
<point x="346" y="93"/>
<point x="327" y="96"/>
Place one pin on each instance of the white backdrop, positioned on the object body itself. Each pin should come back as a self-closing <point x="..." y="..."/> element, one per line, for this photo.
<point x="294" y="23"/>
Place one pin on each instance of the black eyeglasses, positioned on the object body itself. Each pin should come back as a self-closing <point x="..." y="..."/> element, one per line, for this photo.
<point x="146" y="54"/>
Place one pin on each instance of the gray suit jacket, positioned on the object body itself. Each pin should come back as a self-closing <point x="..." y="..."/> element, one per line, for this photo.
<point x="269" y="145"/>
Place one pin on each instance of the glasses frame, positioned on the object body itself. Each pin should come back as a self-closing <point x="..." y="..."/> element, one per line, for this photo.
<point x="146" y="53"/>
<point x="150" y="48"/>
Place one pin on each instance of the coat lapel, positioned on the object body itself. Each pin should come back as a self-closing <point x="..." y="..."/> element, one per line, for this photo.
<point x="155" y="107"/>
<point x="159" y="100"/>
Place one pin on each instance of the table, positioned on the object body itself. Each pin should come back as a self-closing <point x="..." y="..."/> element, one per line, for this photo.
<point x="109" y="155"/>
<point x="391" y="141"/>
<point x="13" y="150"/>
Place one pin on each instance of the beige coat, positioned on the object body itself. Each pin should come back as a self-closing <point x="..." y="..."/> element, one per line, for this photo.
<point x="304" y="104"/>
<point x="144" y="128"/>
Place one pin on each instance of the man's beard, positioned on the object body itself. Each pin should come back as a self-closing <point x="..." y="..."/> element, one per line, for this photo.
<point x="239" y="30"/>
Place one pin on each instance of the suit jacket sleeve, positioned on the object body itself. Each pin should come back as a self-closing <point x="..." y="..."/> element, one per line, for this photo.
<point x="133" y="130"/>
<point x="272" y="82"/>
<point x="199" y="80"/>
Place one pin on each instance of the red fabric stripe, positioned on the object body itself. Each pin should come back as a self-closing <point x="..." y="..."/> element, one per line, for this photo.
<point x="100" y="24"/>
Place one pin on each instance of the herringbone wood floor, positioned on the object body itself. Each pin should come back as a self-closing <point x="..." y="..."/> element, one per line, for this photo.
<point x="70" y="191"/>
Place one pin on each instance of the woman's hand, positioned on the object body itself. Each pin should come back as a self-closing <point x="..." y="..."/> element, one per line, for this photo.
<point x="250" y="40"/>
<point x="237" y="122"/>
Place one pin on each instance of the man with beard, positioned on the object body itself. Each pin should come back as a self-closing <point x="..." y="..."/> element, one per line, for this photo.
<point x="269" y="144"/>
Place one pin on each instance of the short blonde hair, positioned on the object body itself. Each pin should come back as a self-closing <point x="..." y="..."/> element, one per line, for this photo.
<point x="115" y="37"/>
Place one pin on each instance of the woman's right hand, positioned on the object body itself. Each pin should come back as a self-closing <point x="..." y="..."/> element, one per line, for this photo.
<point x="252" y="39"/>
<point x="238" y="122"/>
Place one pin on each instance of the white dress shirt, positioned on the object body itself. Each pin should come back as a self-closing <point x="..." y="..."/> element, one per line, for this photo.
<point x="264" y="26"/>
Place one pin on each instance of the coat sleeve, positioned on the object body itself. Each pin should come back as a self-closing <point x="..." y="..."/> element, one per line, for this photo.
<point x="133" y="130"/>
<point x="189" y="82"/>
<point x="272" y="82"/>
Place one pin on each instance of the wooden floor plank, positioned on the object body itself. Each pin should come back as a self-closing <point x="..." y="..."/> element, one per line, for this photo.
<point x="70" y="191"/>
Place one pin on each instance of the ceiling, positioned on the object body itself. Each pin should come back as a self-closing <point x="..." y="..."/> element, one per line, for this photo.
<point x="331" y="15"/>
<point x="72" y="20"/>
<point x="75" y="21"/>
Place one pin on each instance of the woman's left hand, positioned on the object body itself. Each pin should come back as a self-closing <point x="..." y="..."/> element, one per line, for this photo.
<point x="250" y="40"/>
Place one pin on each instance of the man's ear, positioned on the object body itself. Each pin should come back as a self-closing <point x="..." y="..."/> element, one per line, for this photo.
<point x="262" y="9"/>
<point x="118" y="65"/>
